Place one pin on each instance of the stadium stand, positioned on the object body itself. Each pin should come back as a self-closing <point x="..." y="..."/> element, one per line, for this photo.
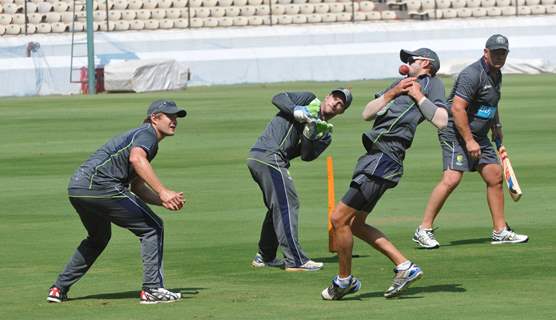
<point x="57" y="16"/>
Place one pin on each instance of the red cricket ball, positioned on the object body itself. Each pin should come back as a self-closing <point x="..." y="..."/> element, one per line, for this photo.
<point x="404" y="70"/>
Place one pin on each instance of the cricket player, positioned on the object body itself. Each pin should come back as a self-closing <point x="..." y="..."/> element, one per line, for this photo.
<point x="113" y="186"/>
<point x="397" y="111"/>
<point x="466" y="147"/>
<point x="299" y="129"/>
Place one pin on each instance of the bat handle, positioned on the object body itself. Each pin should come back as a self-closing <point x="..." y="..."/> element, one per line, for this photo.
<point x="497" y="142"/>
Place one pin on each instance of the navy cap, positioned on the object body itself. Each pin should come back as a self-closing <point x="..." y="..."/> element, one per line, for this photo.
<point x="424" y="54"/>
<point x="344" y="94"/>
<point x="497" y="41"/>
<point x="165" y="106"/>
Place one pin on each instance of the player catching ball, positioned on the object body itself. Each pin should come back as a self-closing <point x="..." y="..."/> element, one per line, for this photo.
<point x="299" y="129"/>
<point x="113" y="186"/>
<point x="397" y="111"/>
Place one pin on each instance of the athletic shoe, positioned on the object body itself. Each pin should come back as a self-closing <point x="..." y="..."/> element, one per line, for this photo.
<point x="258" y="262"/>
<point x="307" y="266"/>
<point x="56" y="295"/>
<point x="336" y="292"/>
<point x="158" y="295"/>
<point x="508" y="236"/>
<point x="425" y="238"/>
<point x="402" y="280"/>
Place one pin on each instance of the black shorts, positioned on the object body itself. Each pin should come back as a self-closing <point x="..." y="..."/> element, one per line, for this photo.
<point x="365" y="191"/>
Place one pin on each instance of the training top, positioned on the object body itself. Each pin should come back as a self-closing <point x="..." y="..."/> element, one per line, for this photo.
<point x="395" y="125"/>
<point x="283" y="138"/>
<point x="480" y="87"/>
<point x="108" y="171"/>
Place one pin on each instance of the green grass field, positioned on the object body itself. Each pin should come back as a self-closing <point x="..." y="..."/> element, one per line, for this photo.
<point x="209" y="244"/>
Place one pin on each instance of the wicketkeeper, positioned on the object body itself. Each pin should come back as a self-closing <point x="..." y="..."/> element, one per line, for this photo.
<point x="114" y="186"/>
<point x="299" y="129"/>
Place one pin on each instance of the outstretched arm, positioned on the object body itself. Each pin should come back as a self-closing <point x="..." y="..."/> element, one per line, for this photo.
<point x="169" y="199"/>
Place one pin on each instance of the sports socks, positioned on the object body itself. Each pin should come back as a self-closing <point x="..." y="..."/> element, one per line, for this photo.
<point x="403" y="266"/>
<point x="343" y="282"/>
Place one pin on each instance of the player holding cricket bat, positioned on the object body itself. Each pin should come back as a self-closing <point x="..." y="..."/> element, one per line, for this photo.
<point x="465" y="144"/>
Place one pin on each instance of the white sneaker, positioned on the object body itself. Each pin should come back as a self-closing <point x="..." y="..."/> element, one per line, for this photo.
<point x="158" y="295"/>
<point x="425" y="238"/>
<point x="508" y="236"/>
<point x="307" y="266"/>
<point x="336" y="292"/>
<point x="258" y="262"/>
<point x="402" y="280"/>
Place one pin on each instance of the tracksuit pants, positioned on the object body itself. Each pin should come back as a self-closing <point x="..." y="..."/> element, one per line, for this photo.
<point x="130" y="212"/>
<point x="281" y="220"/>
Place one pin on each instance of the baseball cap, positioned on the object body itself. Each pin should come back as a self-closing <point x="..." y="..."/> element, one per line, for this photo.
<point x="497" y="41"/>
<point x="423" y="54"/>
<point x="166" y="106"/>
<point x="344" y="94"/>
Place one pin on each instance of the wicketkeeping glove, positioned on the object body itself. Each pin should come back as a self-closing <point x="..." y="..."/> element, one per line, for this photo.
<point x="307" y="113"/>
<point x="316" y="129"/>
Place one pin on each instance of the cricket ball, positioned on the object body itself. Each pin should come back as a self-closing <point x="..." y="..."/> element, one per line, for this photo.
<point x="404" y="70"/>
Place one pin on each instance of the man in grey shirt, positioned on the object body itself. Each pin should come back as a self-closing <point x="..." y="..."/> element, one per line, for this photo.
<point x="397" y="111"/>
<point x="299" y="129"/>
<point x="113" y="186"/>
<point x="466" y="147"/>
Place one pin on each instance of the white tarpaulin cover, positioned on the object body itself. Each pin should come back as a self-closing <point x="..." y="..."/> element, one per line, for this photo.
<point x="145" y="75"/>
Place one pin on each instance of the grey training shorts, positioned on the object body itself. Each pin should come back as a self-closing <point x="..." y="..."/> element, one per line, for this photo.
<point x="456" y="157"/>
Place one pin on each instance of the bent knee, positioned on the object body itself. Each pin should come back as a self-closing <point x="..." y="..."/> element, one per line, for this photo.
<point x="451" y="179"/>
<point x="342" y="216"/>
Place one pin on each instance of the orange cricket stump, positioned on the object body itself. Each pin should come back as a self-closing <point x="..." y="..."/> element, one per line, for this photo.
<point x="331" y="202"/>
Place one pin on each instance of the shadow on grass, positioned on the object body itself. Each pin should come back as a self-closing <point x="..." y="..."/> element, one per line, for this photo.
<point x="468" y="241"/>
<point x="411" y="293"/>
<point x="334" y="258"/>
<point x="135" y="294"/>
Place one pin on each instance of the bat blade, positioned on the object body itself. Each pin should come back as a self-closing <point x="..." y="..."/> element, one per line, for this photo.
<point x="509" y="174"/>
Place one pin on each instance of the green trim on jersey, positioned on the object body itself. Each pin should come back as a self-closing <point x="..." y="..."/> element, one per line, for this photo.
<point x="98" y="197"/>
<point x="265" y="163"/>
<point x="107" y="160"/>
<point x="286" y="136"/>
<point x="394" y="123"/>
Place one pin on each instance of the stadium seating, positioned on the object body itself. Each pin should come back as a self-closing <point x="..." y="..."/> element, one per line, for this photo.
<point x="18" y="18"/>
<point x="167" y="14"/>
<point x="121" y="25"/>
<point x="494" y="12"/>
<point x="13" y="29"/>
<point x="5" y="19"/>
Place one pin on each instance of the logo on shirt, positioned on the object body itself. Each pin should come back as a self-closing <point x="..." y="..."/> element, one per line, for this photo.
<point x="486" y="112"/>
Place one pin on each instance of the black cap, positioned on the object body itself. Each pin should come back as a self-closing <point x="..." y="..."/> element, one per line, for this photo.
<point x="422" y="53"/>
<point x="166" y="106"/>
<point x="497" y="41"/>
<point x="344" y="94"/>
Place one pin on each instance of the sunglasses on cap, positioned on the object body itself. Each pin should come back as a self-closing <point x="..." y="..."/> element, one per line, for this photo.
<point x="415" y="58"/>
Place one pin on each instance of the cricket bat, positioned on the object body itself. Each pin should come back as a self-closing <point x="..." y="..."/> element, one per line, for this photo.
<point x="508" y="171"/>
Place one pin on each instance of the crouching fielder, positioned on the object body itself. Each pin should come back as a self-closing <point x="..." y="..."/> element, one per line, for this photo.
<point x="398" y="111"/>
<point x="100" y="193"/>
